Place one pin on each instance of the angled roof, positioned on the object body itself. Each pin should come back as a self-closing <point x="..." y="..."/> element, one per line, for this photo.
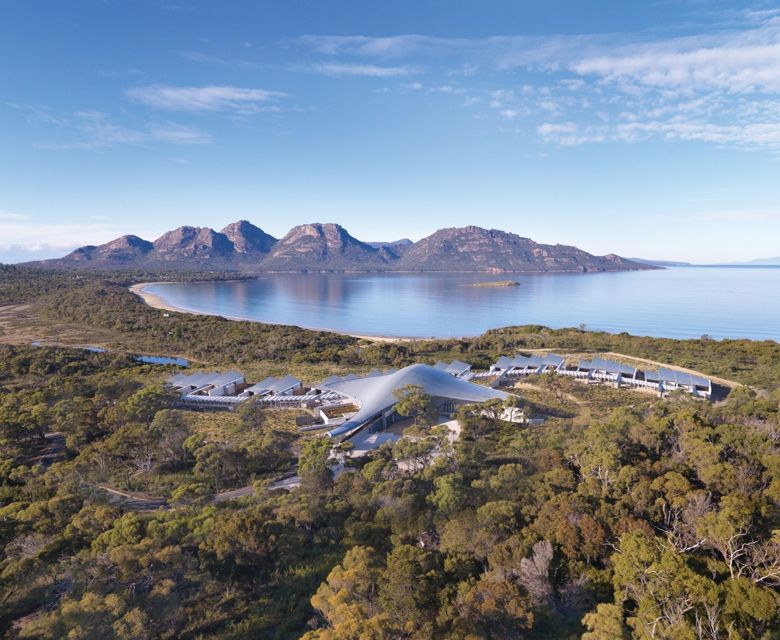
<point x="610" y="366"/>
<point x="274" y="385"/>
<point x="227" y="378"/>
<point x="376" y="394"/>
<point x="196" y="380"/>
<point x="283" y="384"/>
<point x="664" y="374"/>
<point x="455" y="368"/>
<point x="530" y="362"/>
<point x="554" y="360"/>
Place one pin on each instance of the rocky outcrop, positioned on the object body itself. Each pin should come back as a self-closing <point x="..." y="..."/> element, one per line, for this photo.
<point x="324" y="247"/>
<point x="189" y="243"/>
<point x="248" y="240"/>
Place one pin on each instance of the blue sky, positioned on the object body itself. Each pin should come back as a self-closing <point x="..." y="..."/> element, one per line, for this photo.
<point x="647" y="129"/>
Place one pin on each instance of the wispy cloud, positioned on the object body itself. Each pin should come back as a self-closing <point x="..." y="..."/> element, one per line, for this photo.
<point x="365" y="70"/>
<point x="746" y="59"/>
<point x="96" y="130"/>
<point x="10" y="215"/>
<point x="736" y="66"/>
<point x="501" y="52"/>
<point x="219" y="61"/>
<point x="398" y="46"/>
<point x="36" y="114"/>
<point x="765" y="134"/>
<point x="208" y="98"/>
<point x="720" y="86"/>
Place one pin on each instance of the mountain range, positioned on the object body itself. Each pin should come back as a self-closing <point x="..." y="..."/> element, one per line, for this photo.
<point x="329" y="247"/>
<point x="760" y="262"/>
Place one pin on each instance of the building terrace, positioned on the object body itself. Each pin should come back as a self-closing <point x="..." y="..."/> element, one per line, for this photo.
<point x="601" y="370"/>
<point x="351" y="402"/>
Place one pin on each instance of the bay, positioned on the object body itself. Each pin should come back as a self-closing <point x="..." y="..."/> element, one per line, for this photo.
<point x="681" y="302"/>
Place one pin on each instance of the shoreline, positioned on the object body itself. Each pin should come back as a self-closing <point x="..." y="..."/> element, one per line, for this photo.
<point x="157" y="302"/>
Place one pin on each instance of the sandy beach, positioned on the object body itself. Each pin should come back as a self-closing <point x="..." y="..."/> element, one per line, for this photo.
<point x="156" y="302"/>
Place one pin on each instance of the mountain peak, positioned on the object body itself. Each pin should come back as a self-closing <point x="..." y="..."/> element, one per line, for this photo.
<point x="248" y="239"/>
<point x="123" y="250"/>
<point x="334" y="235"/>
<point x="192" y="242"/>
<point x="328" y="230"/>
<point x="319" y="246"/>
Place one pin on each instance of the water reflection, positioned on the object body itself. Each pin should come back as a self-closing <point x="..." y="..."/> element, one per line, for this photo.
<point x="686" y="302"/>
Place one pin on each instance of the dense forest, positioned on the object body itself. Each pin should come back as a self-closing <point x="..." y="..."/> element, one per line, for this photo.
<point x="622" y="515"/>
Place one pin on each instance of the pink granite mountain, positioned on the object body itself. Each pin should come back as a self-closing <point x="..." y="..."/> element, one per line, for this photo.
<point x="318" y="246"/>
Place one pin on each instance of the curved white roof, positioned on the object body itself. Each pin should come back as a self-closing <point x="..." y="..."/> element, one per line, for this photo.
<point x="375" y="394"/>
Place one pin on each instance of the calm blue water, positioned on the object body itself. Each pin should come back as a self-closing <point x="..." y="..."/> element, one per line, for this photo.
<point x="687" y="302"/>
<point x="180" y="362"/>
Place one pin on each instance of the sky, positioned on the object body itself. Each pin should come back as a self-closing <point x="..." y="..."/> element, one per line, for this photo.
<point x="649" y="129"/>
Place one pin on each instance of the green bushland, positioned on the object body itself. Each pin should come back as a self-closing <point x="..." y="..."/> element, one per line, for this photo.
<point x="622" y="516"/>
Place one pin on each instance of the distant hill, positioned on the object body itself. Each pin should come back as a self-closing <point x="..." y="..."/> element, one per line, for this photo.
<point x="760" y="262"/>
<point x="397" y="247"/>
<point x="661" y="263"/>
<point x="478" y="249"/>
<point x="127" y="250"/>
<point x="329" y="247"/>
